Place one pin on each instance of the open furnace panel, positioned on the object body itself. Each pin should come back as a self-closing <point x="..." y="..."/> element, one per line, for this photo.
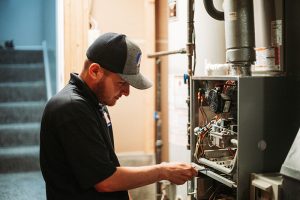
<point x="235" y="126"/>
<point x="216" y="133"/>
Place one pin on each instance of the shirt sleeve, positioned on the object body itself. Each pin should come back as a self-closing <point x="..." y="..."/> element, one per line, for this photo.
<point x="85" y="147"/>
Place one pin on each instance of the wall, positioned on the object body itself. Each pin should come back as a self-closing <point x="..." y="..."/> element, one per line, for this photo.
<point x="210" y="37"/>
<point x="132" y="117"/>
<point x="161" y="26"/>
<point x="21" y="21"/>
<point x="49" y="35"/>
<point x="210" y="47"/>
<point x="28" y="23"/>
<point x="177" y="92"/>
<point x="75" y="40"/>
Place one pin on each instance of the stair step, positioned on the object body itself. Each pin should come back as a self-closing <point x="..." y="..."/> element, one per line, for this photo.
<point x="19" y="134"/>
<point x="23" y="91"/>
<point x="22" y="186"/>
<point x="16" y="159"/>
<point x="21" y="72"/>
<point x="20" y="56"/>
<point x="21" y="112"/>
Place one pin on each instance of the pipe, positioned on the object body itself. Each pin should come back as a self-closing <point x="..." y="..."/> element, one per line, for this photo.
<point x="212" y="11"/>
<point x="190" y="47"/>
<point x="158" y="137"/>
<point x="166" y="53"/>
<point x="218" y="167"/>
<point x="239" y="31"/>
<point x="157" y="116"/>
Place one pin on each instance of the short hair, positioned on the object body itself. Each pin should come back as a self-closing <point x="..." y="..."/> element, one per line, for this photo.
<point x="87" y="64"/>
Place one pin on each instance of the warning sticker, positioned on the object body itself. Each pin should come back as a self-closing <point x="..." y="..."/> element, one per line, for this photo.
<point x="276" y="32"/>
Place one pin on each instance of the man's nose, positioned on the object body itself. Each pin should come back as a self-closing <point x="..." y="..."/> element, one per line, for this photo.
<point x="126" y="90"/>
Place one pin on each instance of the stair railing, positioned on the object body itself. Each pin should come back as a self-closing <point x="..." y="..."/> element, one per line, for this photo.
<point x="47" y="70"/>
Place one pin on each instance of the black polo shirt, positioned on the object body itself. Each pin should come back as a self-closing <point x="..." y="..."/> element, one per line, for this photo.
<point x="76" y="147"/>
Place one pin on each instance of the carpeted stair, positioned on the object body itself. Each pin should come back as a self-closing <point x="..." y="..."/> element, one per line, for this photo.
<point x="22" y="100"/>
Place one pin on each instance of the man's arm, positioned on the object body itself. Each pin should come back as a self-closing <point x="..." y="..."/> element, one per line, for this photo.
<point x="126" y="178"/>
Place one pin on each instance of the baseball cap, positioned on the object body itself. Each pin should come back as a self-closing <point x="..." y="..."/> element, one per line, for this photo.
<point x="116" y="53"/>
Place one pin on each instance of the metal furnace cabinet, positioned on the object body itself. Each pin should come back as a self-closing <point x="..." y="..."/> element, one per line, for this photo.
<point x="237" y="128"/>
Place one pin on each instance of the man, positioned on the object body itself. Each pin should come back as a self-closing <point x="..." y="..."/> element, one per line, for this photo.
<point x="77" y="149"/>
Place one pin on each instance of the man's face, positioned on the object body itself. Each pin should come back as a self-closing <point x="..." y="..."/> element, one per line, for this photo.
<point x="110" y="88"/>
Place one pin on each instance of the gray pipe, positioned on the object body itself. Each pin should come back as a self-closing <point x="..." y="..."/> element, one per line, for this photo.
<point x="212" y="11"/>
<point x="239" y="31"/>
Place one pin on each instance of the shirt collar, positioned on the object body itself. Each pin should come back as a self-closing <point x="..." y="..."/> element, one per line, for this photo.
<point x="83" y="88"/>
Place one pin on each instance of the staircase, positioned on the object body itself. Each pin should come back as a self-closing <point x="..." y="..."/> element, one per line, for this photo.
<point x="22" y="100"/>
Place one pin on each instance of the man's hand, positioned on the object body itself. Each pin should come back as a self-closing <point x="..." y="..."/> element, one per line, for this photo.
<point x="177" y="173"/>
<point x="126" y="178"/>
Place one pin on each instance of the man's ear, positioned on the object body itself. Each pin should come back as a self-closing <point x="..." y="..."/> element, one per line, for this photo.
<point x="95" y="71"/>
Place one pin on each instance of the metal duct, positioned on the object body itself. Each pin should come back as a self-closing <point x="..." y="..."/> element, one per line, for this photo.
<point x="239" y="32"/>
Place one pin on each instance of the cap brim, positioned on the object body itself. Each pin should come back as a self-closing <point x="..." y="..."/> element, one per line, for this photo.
<point x="137" y="81"/>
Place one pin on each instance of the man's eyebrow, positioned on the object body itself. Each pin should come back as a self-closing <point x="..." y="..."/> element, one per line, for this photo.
<point x="122" y="82"/>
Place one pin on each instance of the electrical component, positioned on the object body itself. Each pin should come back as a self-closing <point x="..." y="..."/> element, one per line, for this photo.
<point x="217" y="145"/>
<point x="218" y="101"/>
<point x="216" y="148"/>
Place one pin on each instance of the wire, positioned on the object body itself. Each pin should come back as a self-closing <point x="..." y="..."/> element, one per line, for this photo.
<point x="204" y="115"/>
<point x="201" y="107"/>
<point x="228" y="84"/>
<point x="200" y="102"/>
<point x="232" y="152"/>
<point x="214" y="194"/>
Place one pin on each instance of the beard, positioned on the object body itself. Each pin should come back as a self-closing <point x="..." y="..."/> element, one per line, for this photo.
<point x="102" y="94"/>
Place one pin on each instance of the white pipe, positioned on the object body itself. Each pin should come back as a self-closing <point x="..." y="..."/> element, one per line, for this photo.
<point x="220" y="168"/>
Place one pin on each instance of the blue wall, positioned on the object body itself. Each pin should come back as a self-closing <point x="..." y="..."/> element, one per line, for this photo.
<point x="28" y="23"/>
<point x="21" y="21"/>
<point x="49" y="23"/>
<point x="49" y="35"/>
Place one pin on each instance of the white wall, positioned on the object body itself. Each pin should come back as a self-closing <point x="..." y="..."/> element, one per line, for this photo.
<point x="132" y="116"/>
<point x="210" y="46"/>
<point x="210" y="37"/>
<point x="178" y="110"/>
